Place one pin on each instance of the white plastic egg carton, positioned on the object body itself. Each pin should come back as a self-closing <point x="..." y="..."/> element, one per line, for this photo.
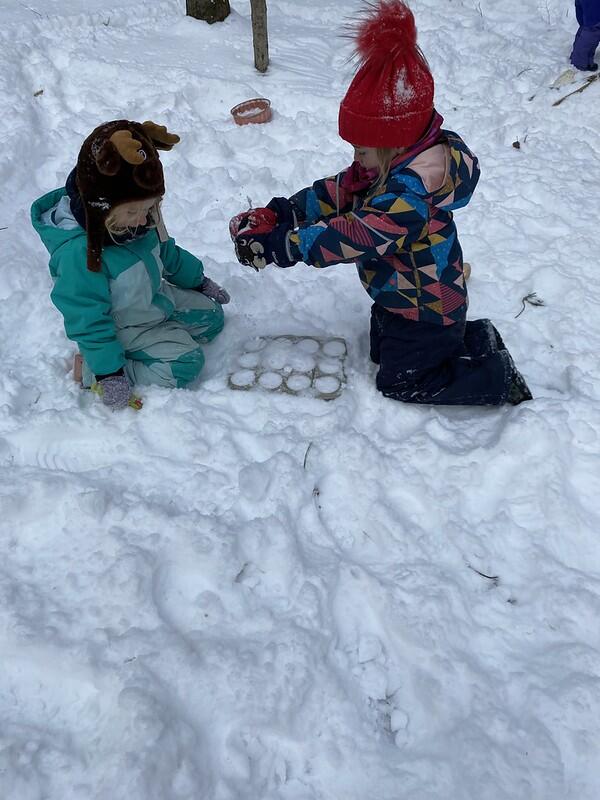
<point x="308" y="366"/>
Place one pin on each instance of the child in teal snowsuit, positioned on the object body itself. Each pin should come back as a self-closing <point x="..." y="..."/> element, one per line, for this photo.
<point x="137" y="305"/>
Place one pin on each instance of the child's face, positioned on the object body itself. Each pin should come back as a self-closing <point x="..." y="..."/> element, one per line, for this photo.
<point x="366" y="157"/>
<point x="133" y="215"/>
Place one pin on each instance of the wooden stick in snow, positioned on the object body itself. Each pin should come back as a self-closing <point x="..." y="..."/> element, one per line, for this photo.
<point x="260" y="37"/>
<point x="582" y="88"/>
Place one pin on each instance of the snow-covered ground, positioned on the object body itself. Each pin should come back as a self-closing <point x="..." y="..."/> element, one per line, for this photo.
<point x="239" y="595"/>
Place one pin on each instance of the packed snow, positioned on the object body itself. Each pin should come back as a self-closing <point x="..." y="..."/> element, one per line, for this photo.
<point x="250" y="595"/>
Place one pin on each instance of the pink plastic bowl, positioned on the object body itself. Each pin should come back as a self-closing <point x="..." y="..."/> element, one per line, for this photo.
<point x="255" y="111"/>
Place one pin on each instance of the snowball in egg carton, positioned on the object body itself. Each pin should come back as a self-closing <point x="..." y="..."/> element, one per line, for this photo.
<point x="308" y="366"/>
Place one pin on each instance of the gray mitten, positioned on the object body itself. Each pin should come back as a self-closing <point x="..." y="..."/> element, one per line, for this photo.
<point x="116" y="391"/>
<point x="214" y="291"/>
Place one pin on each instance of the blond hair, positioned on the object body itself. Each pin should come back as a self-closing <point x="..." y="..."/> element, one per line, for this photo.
<point x="116" y="228"/>
<point x="385" y="156"/>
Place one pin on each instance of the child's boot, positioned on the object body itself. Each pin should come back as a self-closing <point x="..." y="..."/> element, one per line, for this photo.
<point x="499" y="342"/>
<point x="519" y="391"/>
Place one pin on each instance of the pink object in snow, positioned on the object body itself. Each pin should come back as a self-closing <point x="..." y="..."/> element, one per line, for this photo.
<point x="257" y="110"/>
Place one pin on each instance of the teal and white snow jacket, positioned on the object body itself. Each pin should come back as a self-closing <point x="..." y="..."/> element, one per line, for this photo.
<point x="104" y="311"/>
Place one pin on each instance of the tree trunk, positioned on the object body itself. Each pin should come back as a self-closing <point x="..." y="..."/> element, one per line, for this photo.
<point x="208" y="10"/>
<point x="260" y="38"/>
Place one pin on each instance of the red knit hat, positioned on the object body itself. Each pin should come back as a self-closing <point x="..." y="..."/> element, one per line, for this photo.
<point x="390" y="101"/>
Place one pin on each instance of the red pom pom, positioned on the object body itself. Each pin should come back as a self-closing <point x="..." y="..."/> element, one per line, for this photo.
<point x="388" y="28"/>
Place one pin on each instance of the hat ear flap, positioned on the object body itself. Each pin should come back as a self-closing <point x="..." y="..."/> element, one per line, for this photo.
<point x="149" y="175"/>
<point x="95" y="228"/>
<point x="159" y="135"/>
<point x="108" y="159"/>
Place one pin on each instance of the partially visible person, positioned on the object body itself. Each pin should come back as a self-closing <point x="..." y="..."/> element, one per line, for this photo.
<point x="587" y="37"/>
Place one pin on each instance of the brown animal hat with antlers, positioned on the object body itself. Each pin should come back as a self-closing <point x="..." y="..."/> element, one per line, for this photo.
<point x="118" y="163"/>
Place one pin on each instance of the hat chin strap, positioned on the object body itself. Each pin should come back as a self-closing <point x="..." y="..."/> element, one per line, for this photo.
<point x="158" y="220"/>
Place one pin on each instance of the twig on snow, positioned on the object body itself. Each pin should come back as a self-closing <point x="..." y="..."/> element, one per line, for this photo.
<point x="582" y="88"/>
<point x="548" y="15"/>
<point x="532" y="299"/>
<point x="306" y="454"/>
<point x="30" y="9"/>
<point x="494" y="578"/>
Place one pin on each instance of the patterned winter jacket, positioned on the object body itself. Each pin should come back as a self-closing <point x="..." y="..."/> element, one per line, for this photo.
<point x="402" y="238"/>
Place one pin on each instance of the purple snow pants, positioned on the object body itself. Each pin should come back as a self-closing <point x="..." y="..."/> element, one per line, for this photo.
<point x="586" y="41"/>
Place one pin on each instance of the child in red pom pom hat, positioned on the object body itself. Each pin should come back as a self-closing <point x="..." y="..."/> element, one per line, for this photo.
<point x="391" y="212"/>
